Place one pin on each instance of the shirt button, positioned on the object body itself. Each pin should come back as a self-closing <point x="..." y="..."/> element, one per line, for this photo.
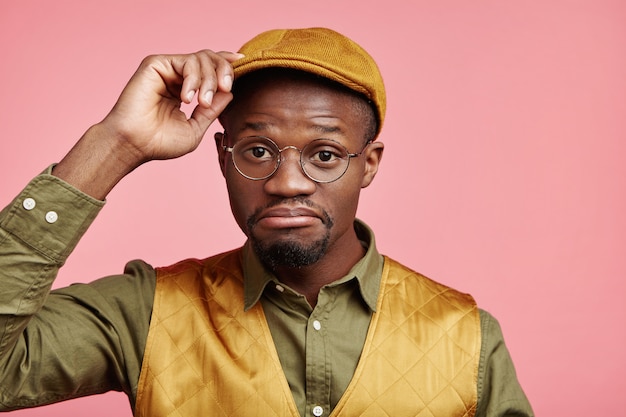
<point x="318" y="411"/>
<point x="317" y="325"/>
<point x="52" y="217"/>
<point x="29" y="203"/>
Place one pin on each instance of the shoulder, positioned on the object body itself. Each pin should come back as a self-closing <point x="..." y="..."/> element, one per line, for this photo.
<point x="138" y="278"/>
<point x="223" y="262"/>
<point x="412" y="282"/>
<point x="197" y="276"/>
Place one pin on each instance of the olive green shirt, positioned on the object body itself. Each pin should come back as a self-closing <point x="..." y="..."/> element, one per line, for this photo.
<point x="89" y="338"/>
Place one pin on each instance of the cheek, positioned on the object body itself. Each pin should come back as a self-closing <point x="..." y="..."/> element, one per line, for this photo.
<point x="349" y="194"/>
<point x="242" y="198"/>
<point x="344" y="203"/>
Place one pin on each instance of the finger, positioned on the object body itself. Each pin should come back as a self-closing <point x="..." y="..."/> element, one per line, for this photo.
<point x="230" y="56"/>
<point x="189" y="68"/>
<point x="225" y="74"/>
<point x="202" y="117"/>
<point x="217" y="74"/>
<point x="204" y="72"/>
<point x="209" y="62"/>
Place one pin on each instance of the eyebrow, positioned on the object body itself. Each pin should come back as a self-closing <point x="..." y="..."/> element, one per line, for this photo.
<point x="327" y="129"/>
<point x="259" y="126"/>
<point x="255" y="126"/>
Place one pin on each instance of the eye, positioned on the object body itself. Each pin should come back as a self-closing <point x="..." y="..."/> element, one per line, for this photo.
<point x="325" y="154"/>
<point x="256" y="151"/>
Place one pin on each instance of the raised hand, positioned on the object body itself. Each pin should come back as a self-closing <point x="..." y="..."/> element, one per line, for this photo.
<point x="147" y="122"/>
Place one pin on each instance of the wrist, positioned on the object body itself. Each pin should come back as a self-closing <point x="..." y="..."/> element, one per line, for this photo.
<point x="98" y="161"/>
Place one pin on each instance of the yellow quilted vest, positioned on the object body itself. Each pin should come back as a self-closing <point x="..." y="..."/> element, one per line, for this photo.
<point x="205" y="356"/>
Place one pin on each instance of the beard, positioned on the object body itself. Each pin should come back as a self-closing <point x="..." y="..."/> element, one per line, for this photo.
<point x="291" y="253"/>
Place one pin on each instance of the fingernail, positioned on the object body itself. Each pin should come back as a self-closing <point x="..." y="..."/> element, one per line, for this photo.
<point x="228" y="81"/>
<point x="208" y="96"/>
<point x="190" y="95"/>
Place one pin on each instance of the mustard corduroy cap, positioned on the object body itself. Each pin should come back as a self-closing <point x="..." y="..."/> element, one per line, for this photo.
<point x="319" y="51"/>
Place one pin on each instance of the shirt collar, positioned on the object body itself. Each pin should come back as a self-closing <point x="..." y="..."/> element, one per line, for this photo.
<point x="367" y="271"/>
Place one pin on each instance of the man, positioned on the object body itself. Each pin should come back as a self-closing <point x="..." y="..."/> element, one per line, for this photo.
<point x="306" y="319"/>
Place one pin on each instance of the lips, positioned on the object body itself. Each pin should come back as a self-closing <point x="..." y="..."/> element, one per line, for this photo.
<point x="281" y="217"/>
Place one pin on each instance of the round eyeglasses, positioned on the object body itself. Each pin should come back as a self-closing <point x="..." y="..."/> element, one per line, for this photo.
<point x="322" y="160"/>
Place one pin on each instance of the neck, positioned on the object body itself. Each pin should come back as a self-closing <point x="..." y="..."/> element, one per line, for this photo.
<point x="335" y="264"/>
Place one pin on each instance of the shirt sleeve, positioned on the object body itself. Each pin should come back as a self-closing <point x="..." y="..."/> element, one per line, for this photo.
<point x="80" y="340"/>
<point x="499" y="392"/>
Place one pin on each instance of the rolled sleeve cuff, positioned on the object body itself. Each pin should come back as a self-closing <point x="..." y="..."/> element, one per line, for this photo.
<point x="50" y="216"/>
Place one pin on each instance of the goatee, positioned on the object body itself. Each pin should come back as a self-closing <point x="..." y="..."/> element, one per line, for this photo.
<point x="290" y="254"/>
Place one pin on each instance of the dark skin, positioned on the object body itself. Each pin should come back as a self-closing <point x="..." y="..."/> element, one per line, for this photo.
<point x="293" y="113"/>
<point x="146" y="124"/>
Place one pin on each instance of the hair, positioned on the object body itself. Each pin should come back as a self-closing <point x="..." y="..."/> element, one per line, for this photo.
<point x="249" y="82"/>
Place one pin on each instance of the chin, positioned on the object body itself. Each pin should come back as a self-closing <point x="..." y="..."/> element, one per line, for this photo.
<point x="290" y="253"/>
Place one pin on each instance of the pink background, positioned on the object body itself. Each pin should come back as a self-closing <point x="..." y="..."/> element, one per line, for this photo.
<point x="504" y="172"/>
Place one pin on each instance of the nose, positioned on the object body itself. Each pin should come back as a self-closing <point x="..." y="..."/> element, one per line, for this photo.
<point x="289" y="180"/>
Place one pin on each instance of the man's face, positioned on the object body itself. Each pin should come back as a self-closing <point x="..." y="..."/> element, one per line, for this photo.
<point x="291" y="220"/>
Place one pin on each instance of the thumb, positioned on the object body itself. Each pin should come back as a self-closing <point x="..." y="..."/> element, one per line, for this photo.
<point x="204" y="116"/>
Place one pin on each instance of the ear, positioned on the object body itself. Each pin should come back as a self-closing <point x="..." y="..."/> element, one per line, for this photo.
<point x="221" y="153"/>
<point x="372" y="154"/>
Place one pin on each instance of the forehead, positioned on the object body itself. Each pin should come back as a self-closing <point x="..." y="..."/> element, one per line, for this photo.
<point x="289" y="94"/>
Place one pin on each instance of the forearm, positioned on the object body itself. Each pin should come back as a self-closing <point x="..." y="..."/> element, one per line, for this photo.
<point x="97" y="162"/>
<point x="79" y="340"/>
<point x="147" y="122"/>
<point x="44" y="223"/>
<point x="38" y="231"/>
